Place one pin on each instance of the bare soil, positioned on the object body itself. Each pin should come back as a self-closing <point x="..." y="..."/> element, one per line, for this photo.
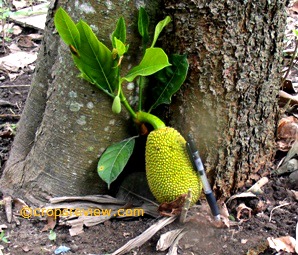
<point x="202" y="237"/>
<point x="274" y="213"/>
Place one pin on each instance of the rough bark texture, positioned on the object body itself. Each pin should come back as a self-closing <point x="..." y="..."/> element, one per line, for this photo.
<point x="229" y="101"/>
<point x="67" y="123"/>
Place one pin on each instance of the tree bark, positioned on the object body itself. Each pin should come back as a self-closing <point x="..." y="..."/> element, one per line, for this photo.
<point x="229" y="100"/>
<point x="67" y="123"/>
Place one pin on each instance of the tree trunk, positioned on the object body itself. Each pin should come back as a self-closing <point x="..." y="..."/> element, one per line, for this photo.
<point x="67" y="123"/>
<point x="229" y="101"/>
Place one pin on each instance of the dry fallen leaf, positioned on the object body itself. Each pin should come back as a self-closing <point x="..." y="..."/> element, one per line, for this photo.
<point x="287" y="133"/>
<point x="295" y="7"/>
<point x="223" y="209"/>
<point x="26" y="248"/>
<point x="16" y="61"/>
<point x="174" y="247"/>
<point x="167" y="239"/>
<point x="50" y="225"/>
<point x="284" y="243"/>
<point x="145" y="236"/>
<point x="241" y="195"/>
<point x="25" y="41"/>
<point x="172" y="208"/>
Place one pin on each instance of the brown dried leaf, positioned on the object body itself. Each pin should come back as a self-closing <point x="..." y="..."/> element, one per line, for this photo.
<point x="287" y="133"/>
<point x="172" y="208"/>
<point x="26" y="248"/>
<point x="51" y="223"/>
<point x="284" y="243"/>
<point x="77" y="227"/>
<point x="295" y="7"/>
<point x="167" y="239"/>
<point x="145" y="236"/>
<point x="19" y="204"/>
<point x="25" y="41"/>
<point x="241" y="195"/>
<point x="223" y="209"/>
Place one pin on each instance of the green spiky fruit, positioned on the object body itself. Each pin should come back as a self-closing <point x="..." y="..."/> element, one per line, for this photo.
<point x="168" y="167"/>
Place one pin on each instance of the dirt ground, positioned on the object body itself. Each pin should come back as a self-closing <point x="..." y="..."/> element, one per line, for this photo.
<point x="274" y="213"/>
<point x="202" y="237"/>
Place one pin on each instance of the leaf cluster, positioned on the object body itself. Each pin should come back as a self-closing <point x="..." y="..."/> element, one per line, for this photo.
<point x="101" y="66"/>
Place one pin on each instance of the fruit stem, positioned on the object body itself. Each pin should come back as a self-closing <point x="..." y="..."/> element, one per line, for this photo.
<point x="146" y="117"/>
<point x="127" y="105"/>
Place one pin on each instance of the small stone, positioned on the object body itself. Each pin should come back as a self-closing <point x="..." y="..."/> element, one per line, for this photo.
<point x="294" y="178"/>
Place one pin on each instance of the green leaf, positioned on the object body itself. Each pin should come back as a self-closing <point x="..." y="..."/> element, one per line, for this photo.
<point x="169" y="80"/>
<point x="154" y="60"/>
<point x="92" y="57"/>
<point x="3" y="238"/>
<point x="114" y="159"/>
<point x="159" y="27"/>
<point x="52" y="235"/>
<point x="95" y="60"/>
<point x="120" y="32"/>
<point x="143" y="25"/>
<point x="67" y="28"/>
<point x="120" y="47"/>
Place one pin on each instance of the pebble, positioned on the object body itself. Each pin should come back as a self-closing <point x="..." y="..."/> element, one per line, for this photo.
<point x="294" y="177"/>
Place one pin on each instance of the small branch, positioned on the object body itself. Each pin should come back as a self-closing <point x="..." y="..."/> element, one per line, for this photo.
<point x="256" y="188"/>
<point x="4" y="116"/>
<point x="14" y="86"/>
<point x="279" y="206"/>
<point x="185" y="207"/>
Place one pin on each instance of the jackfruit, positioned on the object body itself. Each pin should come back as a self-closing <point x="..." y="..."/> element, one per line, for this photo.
<point x="169" y="171"/>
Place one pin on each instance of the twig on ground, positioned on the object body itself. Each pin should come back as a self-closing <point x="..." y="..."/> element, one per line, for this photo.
<point x="15" y="116"/>
<point x="276" y="207"/>
<point x="15" y="86"/>
<point x="185" y="207"/>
